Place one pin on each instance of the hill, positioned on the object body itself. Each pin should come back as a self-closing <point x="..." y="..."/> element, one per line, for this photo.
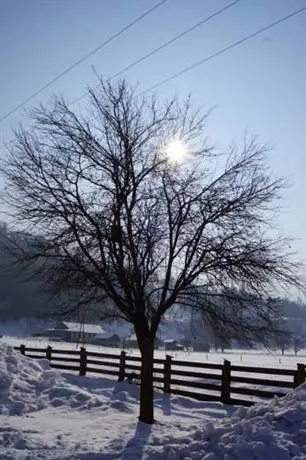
<point x="23" y="304"/>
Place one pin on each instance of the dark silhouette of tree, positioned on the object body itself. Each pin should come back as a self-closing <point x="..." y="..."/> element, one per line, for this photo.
<point x="119" y="219"/>
<point x="298" y="344"/>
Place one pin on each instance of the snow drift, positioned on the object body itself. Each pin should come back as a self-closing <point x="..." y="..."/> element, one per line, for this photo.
<point x="102" y="417"/>
<point x="27" y="385"/>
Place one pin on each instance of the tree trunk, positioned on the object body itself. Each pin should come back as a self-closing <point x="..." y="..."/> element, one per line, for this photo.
<point x="146" y="412"/>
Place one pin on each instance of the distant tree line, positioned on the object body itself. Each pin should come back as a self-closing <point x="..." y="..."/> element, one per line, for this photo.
<point x="23" y="297"/>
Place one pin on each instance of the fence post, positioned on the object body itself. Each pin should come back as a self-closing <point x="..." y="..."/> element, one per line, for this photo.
<point x="299" y="376"/>
<point x="122" y="366"/>
<point x="226" y="382"/>
<point x="49" y="352"/>
<point x="167" y="373"/>
<point x="83" y="361"/>
<point x="22" y="349"/>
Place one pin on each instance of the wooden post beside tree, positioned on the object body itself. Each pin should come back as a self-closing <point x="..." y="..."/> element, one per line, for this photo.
<point x="226" y="382"/>
<point x="167" y="374"/>
<point x="300" y="376"/>
<point x="83" y="361"/>
<point x="49" y="352"/>
<point x="121" y="375"/>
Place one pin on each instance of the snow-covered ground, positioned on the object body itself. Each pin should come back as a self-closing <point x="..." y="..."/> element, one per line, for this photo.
<point x="244" y="357"/>
<point x="50" y="415"/>
<point x="170" y="327"/>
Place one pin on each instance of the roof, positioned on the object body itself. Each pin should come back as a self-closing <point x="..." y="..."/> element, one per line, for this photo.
<point x="133" y="337"/>
<point x="106" y="335"/>
<point x="82" y="327"/>
<point x="202" y="341"/>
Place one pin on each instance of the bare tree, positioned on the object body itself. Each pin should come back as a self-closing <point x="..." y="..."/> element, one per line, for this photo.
<point x="115" y="217"/>
<point x="298" y="344"/>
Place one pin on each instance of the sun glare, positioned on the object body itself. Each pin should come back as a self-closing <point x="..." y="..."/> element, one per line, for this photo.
<point x="176" y="151"/>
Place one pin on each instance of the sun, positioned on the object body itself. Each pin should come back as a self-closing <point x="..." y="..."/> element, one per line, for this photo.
<point x="176" y="152"/>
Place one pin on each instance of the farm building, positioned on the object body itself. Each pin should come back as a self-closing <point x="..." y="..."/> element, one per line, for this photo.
<point x="199" y="345"/>
<point x="74" y="332"/>
<point x="131" y="342"/>
<point x="107" y="339"/>
<point x="171" y="344"/>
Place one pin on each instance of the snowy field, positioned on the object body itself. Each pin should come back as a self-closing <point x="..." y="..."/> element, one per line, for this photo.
<point x="48" y="415"/>
<point x="261" y="358"/>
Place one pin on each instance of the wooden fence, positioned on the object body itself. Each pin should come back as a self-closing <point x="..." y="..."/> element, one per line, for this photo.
<point x="204" y="381"/>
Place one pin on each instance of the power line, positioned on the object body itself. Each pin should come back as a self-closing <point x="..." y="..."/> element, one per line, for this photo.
<point x="223" y="50"/>
<point x="81" y="60"/>
<point x="210" y="57"/>
<point x="133" y="64"/>
<point x="164" y="45"/>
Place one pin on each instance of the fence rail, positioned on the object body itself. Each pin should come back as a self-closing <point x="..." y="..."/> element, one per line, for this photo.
<point x="217" y="382"/>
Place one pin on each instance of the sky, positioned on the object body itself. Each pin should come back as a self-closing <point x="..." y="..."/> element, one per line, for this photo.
<point x="257" y="87"/>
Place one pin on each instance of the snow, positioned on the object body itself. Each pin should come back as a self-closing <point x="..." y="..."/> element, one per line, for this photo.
<point x="50" y="415"/>
<point x="23" y="327"/>
<point x="242" y="357"/>
<point x="105" y="335"/>
<point x="77" y="327"/>
<point x="29" y="385"/>
<point x="170" y="327"/>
